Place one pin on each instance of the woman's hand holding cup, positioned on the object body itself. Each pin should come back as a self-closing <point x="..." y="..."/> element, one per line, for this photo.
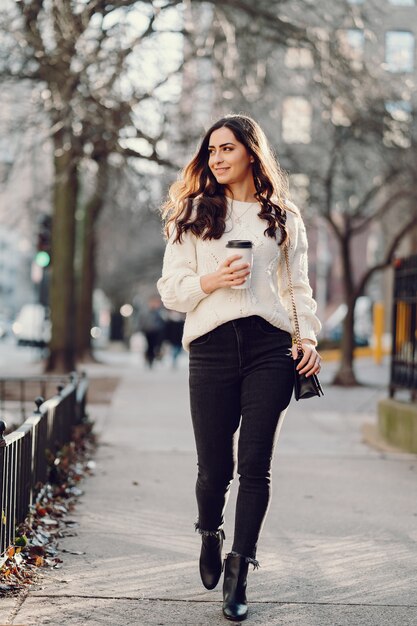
<point x="226" y="275"/>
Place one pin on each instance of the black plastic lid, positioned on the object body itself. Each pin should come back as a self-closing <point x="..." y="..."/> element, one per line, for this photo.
<point x="239" y="243"/>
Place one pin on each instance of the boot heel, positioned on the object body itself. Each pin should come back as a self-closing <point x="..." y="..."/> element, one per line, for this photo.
<point x="235" y="607"/>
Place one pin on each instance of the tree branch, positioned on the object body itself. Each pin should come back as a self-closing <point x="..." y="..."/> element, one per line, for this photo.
<point x="386" y="206"/>
<point x="130" y="152"/>
<point x="270" y="19"/>
<point x="389" y="256"/>
<point x="371" y="193"/>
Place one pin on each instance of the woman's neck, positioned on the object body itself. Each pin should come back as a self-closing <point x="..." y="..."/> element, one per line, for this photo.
<point x="242" y="192"/>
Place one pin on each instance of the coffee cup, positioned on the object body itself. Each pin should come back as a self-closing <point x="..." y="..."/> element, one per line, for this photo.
<point x="244" y="248"/>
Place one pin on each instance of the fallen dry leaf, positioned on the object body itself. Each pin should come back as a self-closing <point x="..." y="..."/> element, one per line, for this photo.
<point x="36" y="538"/>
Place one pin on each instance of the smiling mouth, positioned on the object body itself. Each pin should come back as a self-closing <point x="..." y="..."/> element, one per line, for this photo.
<point x="221" y="169"/>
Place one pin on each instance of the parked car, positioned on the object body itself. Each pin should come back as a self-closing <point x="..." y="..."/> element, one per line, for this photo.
<point x="32" y="326"/>
<point x="333" y="327"/>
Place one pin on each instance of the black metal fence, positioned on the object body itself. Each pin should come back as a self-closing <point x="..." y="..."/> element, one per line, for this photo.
<point x="24" y="452"/>
<point x="17" y="395"/>
<point x="404" y="327"/>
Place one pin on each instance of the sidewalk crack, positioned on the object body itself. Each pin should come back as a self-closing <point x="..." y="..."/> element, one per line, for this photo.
<point x="20" y="598"/>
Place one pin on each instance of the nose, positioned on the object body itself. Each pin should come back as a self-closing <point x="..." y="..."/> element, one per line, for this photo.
<point x="216" y="158"/>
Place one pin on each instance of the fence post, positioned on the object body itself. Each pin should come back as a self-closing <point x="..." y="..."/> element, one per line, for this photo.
<point x="3" y="495"/>
<point x="3" y="427"/>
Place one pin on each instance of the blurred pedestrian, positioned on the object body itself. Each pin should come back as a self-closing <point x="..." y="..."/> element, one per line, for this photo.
<point x="173" y="334"/>
<point x="238" y="330"/>
<point x="152" y="325"/>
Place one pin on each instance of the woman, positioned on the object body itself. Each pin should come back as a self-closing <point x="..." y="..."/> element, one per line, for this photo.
<point x="241" y="370"/>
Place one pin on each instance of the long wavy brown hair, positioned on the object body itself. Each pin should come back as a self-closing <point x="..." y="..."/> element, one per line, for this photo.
<point x="198" y="188"/>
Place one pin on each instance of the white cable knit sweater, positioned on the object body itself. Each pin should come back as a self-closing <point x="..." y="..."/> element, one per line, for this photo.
<point x="268" y="295"/>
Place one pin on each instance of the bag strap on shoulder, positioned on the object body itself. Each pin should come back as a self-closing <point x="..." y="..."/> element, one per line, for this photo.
<point x="294" y="308"/>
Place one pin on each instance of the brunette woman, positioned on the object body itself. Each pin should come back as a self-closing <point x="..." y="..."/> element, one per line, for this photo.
<point x="239" y="340"/>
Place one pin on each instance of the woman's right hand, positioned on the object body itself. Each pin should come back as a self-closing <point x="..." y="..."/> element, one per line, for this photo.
<point x="225" y="275"/>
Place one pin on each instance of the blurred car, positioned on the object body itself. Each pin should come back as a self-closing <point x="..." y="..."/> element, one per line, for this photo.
<point x="333" y="327"/>
<point x="32" y="326"/>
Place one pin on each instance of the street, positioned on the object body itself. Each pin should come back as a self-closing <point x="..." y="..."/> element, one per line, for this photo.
<point x="338" y="546"/>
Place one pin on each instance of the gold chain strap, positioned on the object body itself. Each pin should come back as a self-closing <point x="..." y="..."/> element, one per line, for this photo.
<point x="294" y="309"/>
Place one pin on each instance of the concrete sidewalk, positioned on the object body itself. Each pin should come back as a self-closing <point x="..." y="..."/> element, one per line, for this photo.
<point x="338" y="547"/>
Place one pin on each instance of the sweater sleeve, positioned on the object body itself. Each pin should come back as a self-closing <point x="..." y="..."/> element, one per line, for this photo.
<point x="179" y="285"/>
<point x="305" y="304"/>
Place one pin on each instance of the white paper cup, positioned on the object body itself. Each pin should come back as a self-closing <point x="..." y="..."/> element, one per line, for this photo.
<point x="244" y="248"/>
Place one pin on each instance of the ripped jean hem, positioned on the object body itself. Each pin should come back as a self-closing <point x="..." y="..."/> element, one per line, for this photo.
<point x="209" y="533"/>
<point x="248" y="559"/>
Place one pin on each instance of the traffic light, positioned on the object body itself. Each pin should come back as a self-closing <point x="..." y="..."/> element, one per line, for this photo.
<point x="43" y="254"/>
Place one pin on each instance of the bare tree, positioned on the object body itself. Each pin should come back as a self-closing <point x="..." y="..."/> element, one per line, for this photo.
<point x="391" y="196"/>
<point x="80" y="59"/>
<point x="365" y="175"/>
<point x="361" y="160"/>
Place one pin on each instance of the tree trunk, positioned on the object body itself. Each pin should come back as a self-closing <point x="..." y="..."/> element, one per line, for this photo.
<point x="87" y="276"/>
<point x="345" y="375"/>
<point x="62" y="344"/>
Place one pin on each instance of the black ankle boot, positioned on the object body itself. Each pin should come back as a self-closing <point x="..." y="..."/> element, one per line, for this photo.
<point x="235" y="605"/>
<point x="211" y="558"/>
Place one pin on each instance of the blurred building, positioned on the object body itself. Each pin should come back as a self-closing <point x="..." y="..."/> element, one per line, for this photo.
<point x="382" y="37"/>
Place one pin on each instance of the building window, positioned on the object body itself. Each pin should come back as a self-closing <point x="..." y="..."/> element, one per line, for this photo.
<point x="352" y="43"/>
<point x="296" y="120"/>
<point x="397" y="131"/>
<point x="402" y="3"/>
<point x="399" y="51"/>
<point x="298" y="58"/>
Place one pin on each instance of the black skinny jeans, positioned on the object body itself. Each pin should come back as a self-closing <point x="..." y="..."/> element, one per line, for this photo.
<point x="241" y="373"/>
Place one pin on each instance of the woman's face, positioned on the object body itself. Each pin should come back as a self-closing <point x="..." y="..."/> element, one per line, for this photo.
<point x="228" y="159"/>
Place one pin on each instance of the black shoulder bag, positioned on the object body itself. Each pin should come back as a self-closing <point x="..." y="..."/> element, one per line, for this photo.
<point x="303" y="387"/>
